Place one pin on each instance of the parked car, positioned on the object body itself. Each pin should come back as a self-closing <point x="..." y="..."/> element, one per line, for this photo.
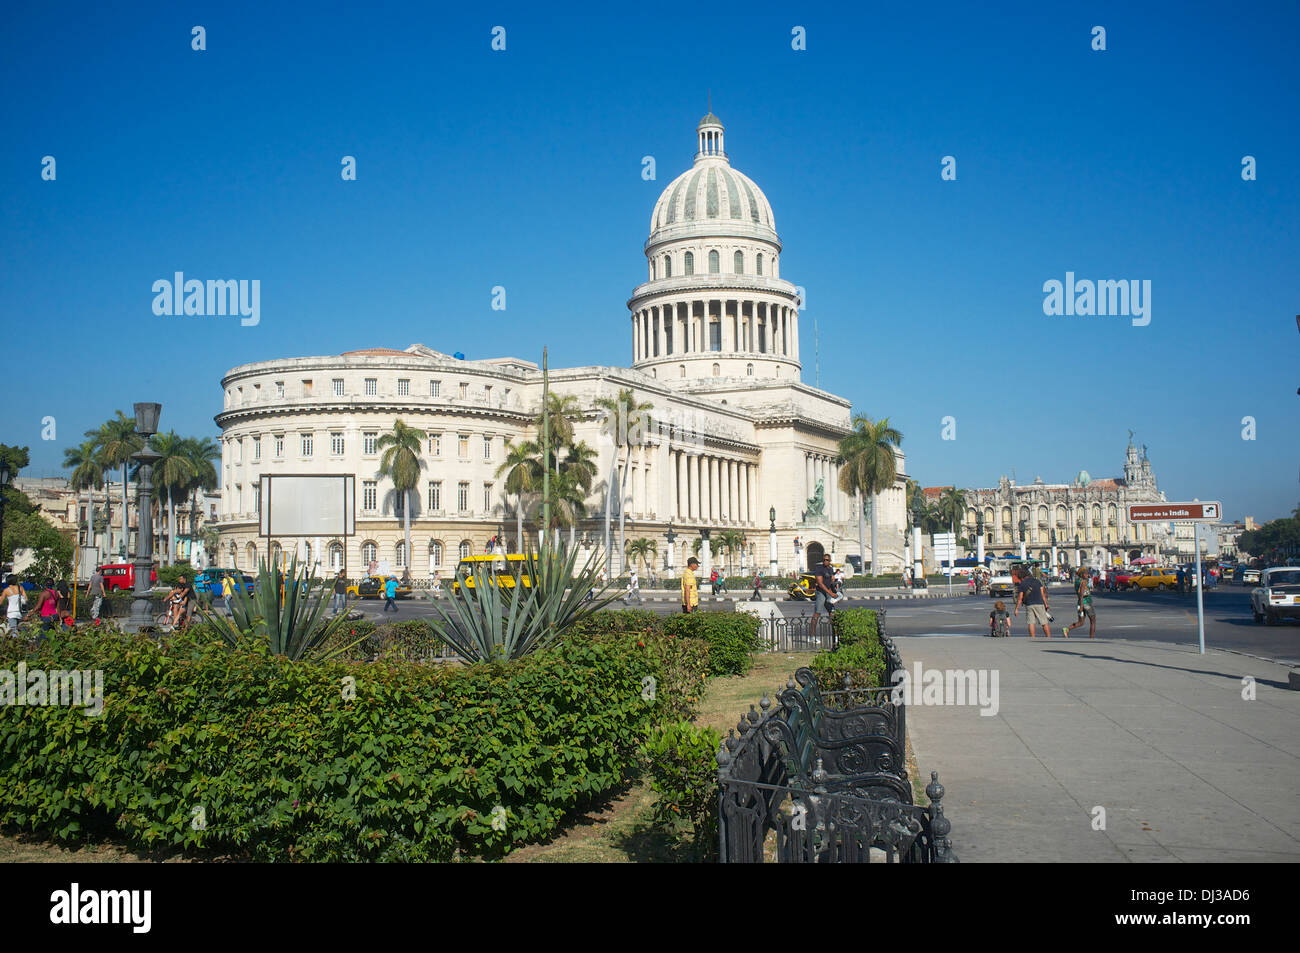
<point x="1125" y="578"/>
<point x="1277" y="596"/>
<point x="501" y="568"/>
<point x="122" y="576"/>
<point x="372" y="587"/>
<point x="1157" y="577"/>
<point x="210" y="580"/>
<point x="1247" y="575"/>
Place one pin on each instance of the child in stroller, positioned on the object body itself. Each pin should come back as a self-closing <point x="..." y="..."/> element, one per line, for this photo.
<point x="999" y="622"/>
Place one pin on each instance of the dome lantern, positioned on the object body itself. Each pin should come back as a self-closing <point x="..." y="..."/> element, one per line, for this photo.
<point x="710" y="132"/>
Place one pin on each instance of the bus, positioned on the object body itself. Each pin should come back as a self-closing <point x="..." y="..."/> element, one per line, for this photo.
<point x="965" y="566"/>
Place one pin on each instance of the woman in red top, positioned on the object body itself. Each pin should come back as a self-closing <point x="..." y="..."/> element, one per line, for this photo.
<point x="47" y="606"/>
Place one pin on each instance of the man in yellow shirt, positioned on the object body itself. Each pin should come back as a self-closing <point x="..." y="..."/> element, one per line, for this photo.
<point x="690" y="586"/>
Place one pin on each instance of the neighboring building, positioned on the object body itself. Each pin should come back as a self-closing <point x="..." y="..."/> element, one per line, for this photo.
<point x="715" y="350"/>
<point x="1088" y="517"/>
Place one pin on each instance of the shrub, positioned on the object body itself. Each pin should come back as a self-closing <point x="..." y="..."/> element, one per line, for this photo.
<point x="681" y="762"/>
<point x="169" y="576"/>
<point x="853" y="626"/>
<point x="327" y="761"/>
<point x="731" y="636"/>
<point x="638" y="622"/>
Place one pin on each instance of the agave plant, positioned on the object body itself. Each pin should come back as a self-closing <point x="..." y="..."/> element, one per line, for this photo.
<point x="292" y="623"/>
<point x="486" y="621"/>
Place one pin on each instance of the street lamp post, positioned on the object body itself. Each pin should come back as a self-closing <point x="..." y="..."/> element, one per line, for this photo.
<point x="707" y="560"/>
<point x="1054" y="566"/>
<point x="146" y="425"/>
<point x="772" y="568"/>
<point x="672" y="539"/>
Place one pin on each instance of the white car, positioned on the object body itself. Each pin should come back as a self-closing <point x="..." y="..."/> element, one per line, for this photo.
<point x="1278" y="595"/>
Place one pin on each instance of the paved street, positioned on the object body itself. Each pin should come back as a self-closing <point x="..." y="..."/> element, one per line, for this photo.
<point x="1156" y="734"/>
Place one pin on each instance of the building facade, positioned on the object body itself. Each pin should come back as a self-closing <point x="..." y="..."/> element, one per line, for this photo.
<point x="734" y="434"/>
<point x="1081" y="522"/>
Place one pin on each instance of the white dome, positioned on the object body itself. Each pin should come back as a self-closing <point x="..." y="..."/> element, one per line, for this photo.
<point x="712" y="192"/>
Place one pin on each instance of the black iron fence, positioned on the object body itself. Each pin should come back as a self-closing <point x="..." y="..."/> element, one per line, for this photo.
<point x="799" y="634"/>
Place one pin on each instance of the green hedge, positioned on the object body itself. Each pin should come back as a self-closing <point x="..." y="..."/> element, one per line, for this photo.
<point x="681" y="761"/>
<point x="860" y="653"/>
<point x="285" y="767"/>
<point x="732" y="637"/>
<point x="855" y="625"/>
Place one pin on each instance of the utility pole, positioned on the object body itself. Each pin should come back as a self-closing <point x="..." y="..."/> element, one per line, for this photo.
<point x="546" y="447"/>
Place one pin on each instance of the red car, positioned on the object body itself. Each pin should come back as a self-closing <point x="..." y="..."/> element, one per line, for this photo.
<point x="122" y="576"/>
<point x="1126" y="578"/>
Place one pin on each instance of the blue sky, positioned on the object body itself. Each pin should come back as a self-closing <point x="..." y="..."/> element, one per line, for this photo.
<point x="523" y="169"/>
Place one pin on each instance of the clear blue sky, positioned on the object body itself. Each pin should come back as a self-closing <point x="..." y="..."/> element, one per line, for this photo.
<point x="478" y="168"/>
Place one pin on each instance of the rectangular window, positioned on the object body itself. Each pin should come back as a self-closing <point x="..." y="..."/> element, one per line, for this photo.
<point x="399" y="505"/>
<point x="464" y="390"/>
<point x="239" y="451"/>
<point x="487" y="497"/>
<point x="336" y="444"/>
<point x="435" y="444"/>
<point x="487" y="447"/>
<point x="338" y="387"/>
<point x="369" y="496"/>
<point x="257" y="498"/>
<point x="462" y="497"/>
<point x="257" y="448"/>
<point x="462" y="446"/>
<point x="403" y="387"/>
<point x="435" y="496"/>
<point x="306" y="445"/>
<point x="306" y="387"/>
<point x="279" y="446"/>
<point x="372" y="386"/>
<point x="487" y="393"/>
<point x="279" y="388"/>
<point x="435" y="388"/>
<point x="368" y="441"/>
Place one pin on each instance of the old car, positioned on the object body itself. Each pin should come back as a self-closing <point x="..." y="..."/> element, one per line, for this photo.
<point x="372" y="587"/>
<point x="122" y="576"/>
<point x="498" y="567"/>
<point x="1157" y="577"/>
<point x="1277" y="596"/>
<point x="210" y="580"/>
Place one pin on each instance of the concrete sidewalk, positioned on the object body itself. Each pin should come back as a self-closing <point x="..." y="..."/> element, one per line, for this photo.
<point x="1155" y="733"/>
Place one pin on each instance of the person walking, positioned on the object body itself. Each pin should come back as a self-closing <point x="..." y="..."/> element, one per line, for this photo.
<point x="1181" y="578"/>
<point x="823" y="593"/>
<point x="1083" y="592"/>
<point x="390" y="593"/>
<point x="690" y="586"/>
<point x="95" y="593"/>
<point x="1033" y="596"/>
<point x="227" y="590"/>
<point x="758" y="586"/>
<point x="340" y="592"/>
<point x="437" y="583"/>
<point x="633" y="587"/>
<point x="14" y="598"/>
<point x="48" y="607"/>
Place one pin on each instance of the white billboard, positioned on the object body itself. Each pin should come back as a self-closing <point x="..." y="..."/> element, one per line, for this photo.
<point x="316" y="505"/>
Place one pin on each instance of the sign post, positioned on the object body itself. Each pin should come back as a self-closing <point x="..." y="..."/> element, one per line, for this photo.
<point x="1195" y="513"/>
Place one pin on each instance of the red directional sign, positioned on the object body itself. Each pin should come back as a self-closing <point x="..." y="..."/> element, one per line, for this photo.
<point x="1183" y="512"/>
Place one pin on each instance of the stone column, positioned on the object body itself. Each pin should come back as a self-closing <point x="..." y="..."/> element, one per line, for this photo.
<point x="692" y="484"/>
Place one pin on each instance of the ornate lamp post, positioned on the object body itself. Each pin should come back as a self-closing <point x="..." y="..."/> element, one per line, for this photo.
<point x="772" y="568"/>
<point x="146" y="425"/>
<point x="706" y="561"/>
<point x="1053" y="538"/>
<point x="672" y="539"/>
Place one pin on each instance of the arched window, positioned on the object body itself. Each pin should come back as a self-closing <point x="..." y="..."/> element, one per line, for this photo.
<point x="681" y="370"/>
<point x="1042" y="516"/>
<point x="714" y="266"/>
<point x="716" y="370"/>
<point x="234" y="556"/>
<point x="749" y="370"/>
<point x="277" y="553"/>
<point x="739" y="265"/>
<point x="401" y="554"/>
<point x="369" y="553"/>
<point x="1080" y="516"/>
<point x="435" y="552"/>
<point x="1111" y="514"/>
<point x="336" y="556"/>
<point x="1096" y="514"/>
<point x="690" y="263"/>
<point x="758" y="264"/>
<point x="668" y="266"/>
<point x="251" y="551"/>
<point x="466" y="549"/>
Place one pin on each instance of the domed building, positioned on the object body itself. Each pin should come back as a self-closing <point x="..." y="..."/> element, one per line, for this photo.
<point x="734" y="435"/>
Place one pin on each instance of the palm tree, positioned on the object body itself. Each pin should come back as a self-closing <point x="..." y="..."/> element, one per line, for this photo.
<point x="172" y="471"/>
<point x="522" y="469"/>
<point x="87" y="474"/>
<point x="728" y="541"/>
<point x="117" y="440"/>
<point x="641" y="548"/>
<point x="868" y="454"/>
<point x="620" y="410"/>
<point x="561" y="411"/>
<point x="950" y="508"/>
<point x="401" y="462"/>
<point x="201" y="452"/>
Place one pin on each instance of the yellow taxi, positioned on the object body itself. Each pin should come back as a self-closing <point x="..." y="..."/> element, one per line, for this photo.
<point x="1159" y="577"/>
<point x="372" y="587"/>
<point x="501" y="567"/>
